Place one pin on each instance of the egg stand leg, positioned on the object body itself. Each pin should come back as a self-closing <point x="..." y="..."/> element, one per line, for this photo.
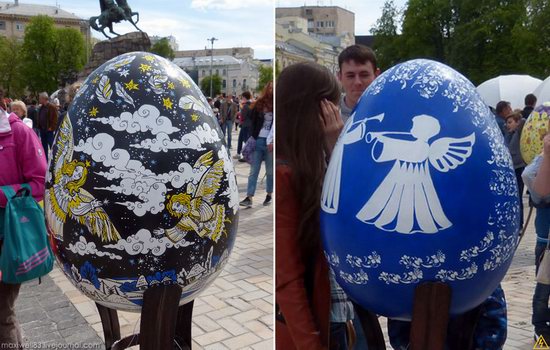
<point x="430" y="316"/>
<point x="163" y="322"/>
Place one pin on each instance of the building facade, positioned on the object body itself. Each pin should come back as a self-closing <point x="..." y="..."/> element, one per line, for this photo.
<point x="15" y="16"/>
<point x="322" y="20"/>
<point x="294" y="43"/>
<point x="238" y="75"/>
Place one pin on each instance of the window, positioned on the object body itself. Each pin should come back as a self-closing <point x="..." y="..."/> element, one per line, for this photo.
<point x="2" y="25"/>
<point x="309" y="12"/>
<point x="203" y="72"/>
<point x="234" y="82"/>
<point x="244" y="83"/>
<point x="224" y="72"/>
<point x="217" y="72"/>
<point x="224" y="84"/>
<point x="19" y="27"/>
<point x="310" y="23"/>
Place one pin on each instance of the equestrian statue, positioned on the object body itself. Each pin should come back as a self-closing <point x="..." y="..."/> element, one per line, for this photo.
<point x="112" y="12"/>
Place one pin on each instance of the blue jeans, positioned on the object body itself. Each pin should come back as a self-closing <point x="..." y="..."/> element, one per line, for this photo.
<point x="227" y="128"/>
<point x="243" y="136"/>
<point x="47" y="141"/>
<point x="260" y="154"/>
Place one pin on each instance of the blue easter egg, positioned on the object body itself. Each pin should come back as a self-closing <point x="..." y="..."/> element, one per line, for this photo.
<point x="420" y="187"/>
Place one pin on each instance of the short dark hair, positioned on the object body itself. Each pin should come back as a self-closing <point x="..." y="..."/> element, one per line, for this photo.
<point x="247" y="95"/>
<point x="501" y="105"/>
<point x="530" y="100"/>
<point x="358" y="53"/>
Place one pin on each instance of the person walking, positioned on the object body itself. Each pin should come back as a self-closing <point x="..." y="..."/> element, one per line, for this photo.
<point x="262" y="121"/>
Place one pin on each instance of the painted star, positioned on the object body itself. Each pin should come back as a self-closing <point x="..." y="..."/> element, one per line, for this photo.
<point x="96" y="79"/>
<point x="149" y="58"/>
<point x="171" y="85"/>
<point x="94" y="111"/>
<point x="124" y="72"/>
<point x="131" y="85"/>
<point x="167" y="103"/>
<point x="185" y="83"/>
<point x="144" y="68"/>
<point x="194" y="117"/>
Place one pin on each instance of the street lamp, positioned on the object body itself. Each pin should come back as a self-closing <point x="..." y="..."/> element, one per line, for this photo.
<point x="212" y="39"/>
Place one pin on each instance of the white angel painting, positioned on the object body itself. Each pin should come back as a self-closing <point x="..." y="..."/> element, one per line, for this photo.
<point x="196" y="209"/>
<point x="67" y="198"/>
<point x="406" y="201"/>
<point x="353" y="132"/>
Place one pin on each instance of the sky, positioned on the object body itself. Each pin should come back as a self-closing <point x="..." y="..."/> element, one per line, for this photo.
<point x="234" y="23"/>
<point x="366" y="11"/>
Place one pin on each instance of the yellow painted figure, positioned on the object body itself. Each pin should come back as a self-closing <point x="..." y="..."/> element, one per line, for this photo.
<point x="195" y="208"/>
<point x="67" y="197"/>
<point x="533" y="132"/>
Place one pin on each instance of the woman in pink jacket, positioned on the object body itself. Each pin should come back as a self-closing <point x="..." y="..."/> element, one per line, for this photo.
<point x="22" y="160"/>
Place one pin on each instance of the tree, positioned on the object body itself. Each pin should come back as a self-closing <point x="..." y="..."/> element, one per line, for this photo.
<point x="266" y="75"/>
<point x="11" y="64"/>
<point x="71" y="55"/>
<point x="386" y="43"/>
<point x="163" y="48"/>
<point x="52" y="56"/>
<point x="216" y="85"/>
<point x="39" y="46"/>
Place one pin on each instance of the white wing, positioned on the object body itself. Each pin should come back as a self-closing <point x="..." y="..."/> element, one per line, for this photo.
<point x="447" y="153"/>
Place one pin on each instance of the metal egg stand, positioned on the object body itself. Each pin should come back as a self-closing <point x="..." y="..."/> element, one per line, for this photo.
<point x="163" y="325"/>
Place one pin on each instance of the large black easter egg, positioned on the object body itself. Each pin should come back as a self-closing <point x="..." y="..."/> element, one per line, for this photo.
<point x="141" y="190"/>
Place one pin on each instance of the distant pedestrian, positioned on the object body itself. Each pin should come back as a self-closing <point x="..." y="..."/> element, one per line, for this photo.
<point x="262" y="122"/>
<point x="246" y="123"/>
<point x="47" y="121"/>
<point x="503" y="109"/>
<point x="228" y="114"/>
<point x="530" y="104"/>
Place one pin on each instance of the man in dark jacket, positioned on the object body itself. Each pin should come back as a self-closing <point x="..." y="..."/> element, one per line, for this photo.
<point x="228" y="113"/>
<point x="47" y="121"/>
<point x="246" y="123"/>
<point x="530" y="103"/>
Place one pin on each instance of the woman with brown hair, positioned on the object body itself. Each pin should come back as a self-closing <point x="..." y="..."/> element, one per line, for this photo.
<point x="262" y="120"/>
<point x="312" y="310"/>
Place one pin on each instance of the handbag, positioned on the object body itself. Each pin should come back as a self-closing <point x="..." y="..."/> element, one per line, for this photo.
<point x="543" y="275"/>
<point x="26" y="253"/>
<point x="248" y="150"/>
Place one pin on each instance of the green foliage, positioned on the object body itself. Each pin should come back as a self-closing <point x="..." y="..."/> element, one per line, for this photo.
<point x="216" y="85"/>
<point x="39" y="54"/>
<point x="266" y="75"/>
<point x="163" y="48"/>
<point x="480" y="38"/>
<point x="51" y="57"/>
<point x="11" y="79"/>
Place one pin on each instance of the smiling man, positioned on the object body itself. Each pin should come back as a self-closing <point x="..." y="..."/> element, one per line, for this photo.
<point x="357" y="64"/>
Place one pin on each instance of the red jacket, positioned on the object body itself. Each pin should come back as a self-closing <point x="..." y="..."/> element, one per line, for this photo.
<point x="306" y="324"/>
<point x="22" y="159"/>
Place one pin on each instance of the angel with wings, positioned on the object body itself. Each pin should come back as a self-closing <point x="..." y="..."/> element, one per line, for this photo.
<point x="406" y="201"/>
<point x="67" y="198"/>
<point x="195" y="208"/>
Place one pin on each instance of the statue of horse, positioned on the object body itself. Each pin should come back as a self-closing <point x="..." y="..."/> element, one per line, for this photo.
<point x="113" y="13"/>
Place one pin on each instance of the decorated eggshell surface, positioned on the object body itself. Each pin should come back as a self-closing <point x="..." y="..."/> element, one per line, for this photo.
<point x="533" y="132"/>
<point x="420" y="187"/>
<point x="140" y="191"/>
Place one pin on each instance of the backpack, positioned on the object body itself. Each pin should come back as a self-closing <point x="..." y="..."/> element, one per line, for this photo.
<point x="248" y="150"/>
<point x="26" y="253"/>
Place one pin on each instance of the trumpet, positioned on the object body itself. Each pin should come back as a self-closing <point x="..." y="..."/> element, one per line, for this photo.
<point x="371" y="136"/>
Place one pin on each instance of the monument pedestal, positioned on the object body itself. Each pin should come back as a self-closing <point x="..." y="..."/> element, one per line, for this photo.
<point x="107" y="49"/>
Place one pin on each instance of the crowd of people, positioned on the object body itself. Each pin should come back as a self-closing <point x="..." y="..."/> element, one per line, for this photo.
<point x="312" y="311"/>
<point x="254" y="120"/>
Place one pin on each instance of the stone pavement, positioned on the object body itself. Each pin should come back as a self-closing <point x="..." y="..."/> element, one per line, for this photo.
<point x="235" y="312"/>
